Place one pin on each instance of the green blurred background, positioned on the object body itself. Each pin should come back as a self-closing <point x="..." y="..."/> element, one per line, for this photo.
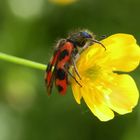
<point x="29" y="29"/>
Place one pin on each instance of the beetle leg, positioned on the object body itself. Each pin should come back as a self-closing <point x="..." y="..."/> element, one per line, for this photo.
<point x="75" y="68"/>
<point x="67" y="71"/>
<point x="103" y="37"/>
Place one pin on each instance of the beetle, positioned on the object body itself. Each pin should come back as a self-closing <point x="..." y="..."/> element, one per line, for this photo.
<point x="63" y="58"/>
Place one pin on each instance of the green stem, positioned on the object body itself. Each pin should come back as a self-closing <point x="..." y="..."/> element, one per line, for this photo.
<point x="22" y="61"/>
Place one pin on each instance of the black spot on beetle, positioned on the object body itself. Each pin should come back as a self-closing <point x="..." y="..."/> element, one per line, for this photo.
<point x="63" y="54"/>
<point x="60" y="74"/>
<point x="60" y="88"/>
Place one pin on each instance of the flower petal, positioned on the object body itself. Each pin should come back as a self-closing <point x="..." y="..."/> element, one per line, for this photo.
<point x="90" y="56"/>
<point x="124" y="95"/>
<point x="76" y="93"/>
<point x="95" y="102"/>
<point x="122" y="52"/>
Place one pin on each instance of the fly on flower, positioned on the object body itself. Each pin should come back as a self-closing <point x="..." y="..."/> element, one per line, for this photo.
<point x="64" y="57"/>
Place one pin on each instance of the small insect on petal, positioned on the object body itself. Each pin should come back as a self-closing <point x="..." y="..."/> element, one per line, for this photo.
<point x="63" y="58"/>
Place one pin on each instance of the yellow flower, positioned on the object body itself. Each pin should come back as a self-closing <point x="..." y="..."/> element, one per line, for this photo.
<point x="63" y="2"/>
<point x="103" y="89"/>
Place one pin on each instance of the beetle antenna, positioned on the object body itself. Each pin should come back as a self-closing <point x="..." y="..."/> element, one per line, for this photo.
<point x="96" y="41"/>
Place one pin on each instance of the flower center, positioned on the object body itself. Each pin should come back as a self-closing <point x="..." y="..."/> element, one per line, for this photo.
<point x="93" y="72"/>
